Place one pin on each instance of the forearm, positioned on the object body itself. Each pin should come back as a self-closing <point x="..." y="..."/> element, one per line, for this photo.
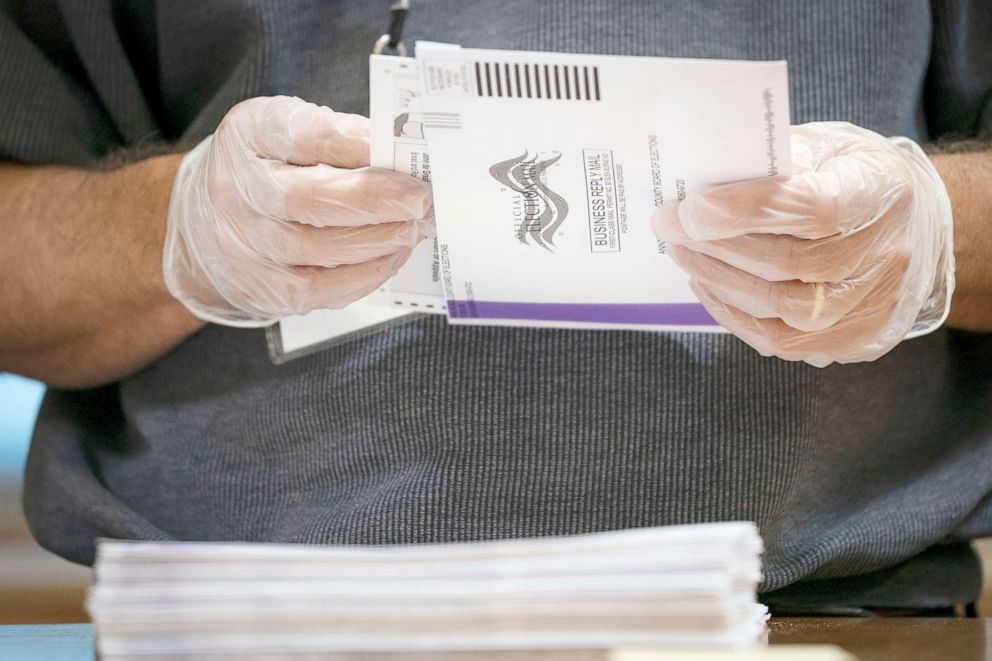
<point x="967" y="173"/>
<point x="82" y="300"/>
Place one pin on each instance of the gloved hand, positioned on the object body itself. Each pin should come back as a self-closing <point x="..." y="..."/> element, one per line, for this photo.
<point x="278" y="213"/>
<point x="837" y="263"/>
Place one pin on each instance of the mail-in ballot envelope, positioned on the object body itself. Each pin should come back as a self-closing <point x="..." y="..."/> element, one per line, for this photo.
<point x="546" y="169"/>
<point x="398" y="143"/>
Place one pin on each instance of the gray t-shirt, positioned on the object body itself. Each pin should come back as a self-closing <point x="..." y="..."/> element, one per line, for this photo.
<point x="425" y="432"/>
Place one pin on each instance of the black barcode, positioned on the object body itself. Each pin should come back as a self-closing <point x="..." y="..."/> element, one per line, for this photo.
<point x="537" y="81"/>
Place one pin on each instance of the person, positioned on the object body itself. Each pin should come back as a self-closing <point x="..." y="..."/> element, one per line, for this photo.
<point x="170" y="164"/>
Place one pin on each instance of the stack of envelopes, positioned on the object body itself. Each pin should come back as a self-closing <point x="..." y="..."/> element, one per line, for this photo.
<point x="679" y="586"/>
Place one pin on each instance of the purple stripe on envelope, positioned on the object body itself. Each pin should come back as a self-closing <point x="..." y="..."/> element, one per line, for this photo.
<point x="679" y="314"/>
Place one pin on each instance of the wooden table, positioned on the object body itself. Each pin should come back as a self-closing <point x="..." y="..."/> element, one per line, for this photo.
<point x="891" y="638"/>
<point x="870" y="639"/>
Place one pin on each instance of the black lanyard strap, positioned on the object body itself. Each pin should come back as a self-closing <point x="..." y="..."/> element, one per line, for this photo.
<point x="393" y="38"/>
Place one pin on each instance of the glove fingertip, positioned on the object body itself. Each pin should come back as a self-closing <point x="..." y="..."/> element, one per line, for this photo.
<point x="666" y="225"/>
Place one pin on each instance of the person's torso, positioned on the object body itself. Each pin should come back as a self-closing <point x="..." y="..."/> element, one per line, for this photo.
<point x="425" y="432"/>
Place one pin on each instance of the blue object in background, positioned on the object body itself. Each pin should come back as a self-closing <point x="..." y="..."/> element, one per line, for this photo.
<point x="59" y="642"/>
<point x="19" y="402"/>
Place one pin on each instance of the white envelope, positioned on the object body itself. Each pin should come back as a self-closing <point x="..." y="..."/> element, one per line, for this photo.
<point x="398" y="143"/>
<point x="546" y="169"/>
<point x="617" y="137"/>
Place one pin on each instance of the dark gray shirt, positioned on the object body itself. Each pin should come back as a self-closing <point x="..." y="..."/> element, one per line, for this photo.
<point x="425" y="432"/>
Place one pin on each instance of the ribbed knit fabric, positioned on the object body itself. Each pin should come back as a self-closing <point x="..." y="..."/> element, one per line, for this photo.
<point x="425" y="432"/>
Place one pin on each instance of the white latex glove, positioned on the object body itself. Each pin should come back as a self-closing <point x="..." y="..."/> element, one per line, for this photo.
<point x="278" y="213"/>
<point x="837" y="263"/>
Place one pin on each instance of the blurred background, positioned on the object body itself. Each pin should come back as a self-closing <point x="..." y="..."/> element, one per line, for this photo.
<point x="39" y="587"/>
<point x="35" y="586"/>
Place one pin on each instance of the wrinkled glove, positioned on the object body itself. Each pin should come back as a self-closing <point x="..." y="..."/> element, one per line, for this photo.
<point x="278" y="213"/>
<point x="837" y="263"/>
